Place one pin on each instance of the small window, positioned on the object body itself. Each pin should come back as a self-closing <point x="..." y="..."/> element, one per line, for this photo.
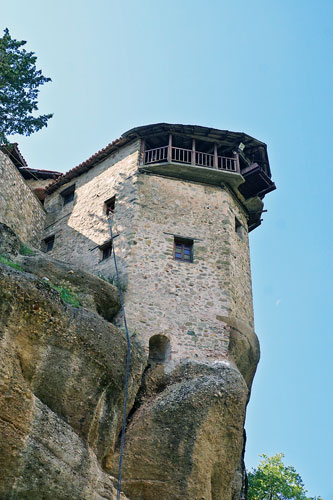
<point x="109" y="205"/>
<point x="238" y="228"/>
<point x="183" y="249"/>
<point x="159" y="349"/>
<point x="68" y="194"/>
<point x="106" y="250"/>
<point x="48" y="243"/>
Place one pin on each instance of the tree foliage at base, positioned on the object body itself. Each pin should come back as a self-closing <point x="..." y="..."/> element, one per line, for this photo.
<point x="19" y="87"/>
<point x="272" y="480"/>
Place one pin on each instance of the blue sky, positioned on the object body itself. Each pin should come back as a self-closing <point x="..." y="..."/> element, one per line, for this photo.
<point x="261" y="67"/>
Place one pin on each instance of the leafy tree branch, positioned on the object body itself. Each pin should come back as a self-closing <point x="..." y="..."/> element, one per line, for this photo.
<point x="272" y="480"/>
<point x="19" y="86"/>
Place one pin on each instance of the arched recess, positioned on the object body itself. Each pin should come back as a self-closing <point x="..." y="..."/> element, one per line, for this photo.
<point x="159" y="349"/>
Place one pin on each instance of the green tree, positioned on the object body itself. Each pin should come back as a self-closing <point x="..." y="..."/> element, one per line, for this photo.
<point x="19" y="87"/>
<point x="272" y="480"/>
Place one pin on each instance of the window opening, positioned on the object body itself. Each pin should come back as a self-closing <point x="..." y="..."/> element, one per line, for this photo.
<point x="159" y="349"/>
<point x="48" y="243"/>
<point x="106" y="250"/>
<point x="238" y="227"/>
<point x="183" y="249"/>
<point x="109" y="205"/>
<point x="68" y="194"/>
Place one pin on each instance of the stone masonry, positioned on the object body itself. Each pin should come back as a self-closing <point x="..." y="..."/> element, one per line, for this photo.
<point x="19" y="207"/>
<point x="180" y="200"/>
<point x="81" y="226"/>
<point x="192" y="304"/>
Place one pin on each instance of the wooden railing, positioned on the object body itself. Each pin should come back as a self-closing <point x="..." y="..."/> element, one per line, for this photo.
<point x="180" y="155"/>
<point x="155" y="155"/>
<point x="229" y="164"/>
<point x="204" y="159"/>
<point x="191" y="157"/>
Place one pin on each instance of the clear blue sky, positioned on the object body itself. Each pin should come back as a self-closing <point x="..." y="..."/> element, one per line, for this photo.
<point x="261" y="67"/>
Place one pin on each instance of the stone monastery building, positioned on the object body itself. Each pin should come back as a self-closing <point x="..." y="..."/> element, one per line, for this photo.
<point x="182" y="200"/>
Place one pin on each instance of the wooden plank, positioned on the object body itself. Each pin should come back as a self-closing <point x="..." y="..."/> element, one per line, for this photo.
<point x="170" y="149"/>
<point x="237" y="162"/>
<point x="193" y="152"/>
<point x="215" y="155"/>
<point x="142" y="155"/>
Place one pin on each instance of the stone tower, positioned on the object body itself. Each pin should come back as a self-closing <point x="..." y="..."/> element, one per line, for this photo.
<point x="182" y="199"/>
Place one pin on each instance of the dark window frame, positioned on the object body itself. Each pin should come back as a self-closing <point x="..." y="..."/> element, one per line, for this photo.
<point x="110" y="205"/>
<point x="238" y="227"/>
<point x="106" y="250"/>
<point x="49" y="243"/>
<point x="183" y="249"/>
<point x="68" y="194"/>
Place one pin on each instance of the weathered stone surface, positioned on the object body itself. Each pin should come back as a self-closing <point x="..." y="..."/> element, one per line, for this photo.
<point x="186" y="441"/>
<point x="61" y="377"/>
<point x="57" y="465"/>
<point x="19" y="207"/>
<point x="244" y="349"/>
<point x="81" y="226"/>
<point x="94" y="293"/>
<point x="62" y="369"/>
<point x="178" y="297"/>
<point x="9" y="242"/>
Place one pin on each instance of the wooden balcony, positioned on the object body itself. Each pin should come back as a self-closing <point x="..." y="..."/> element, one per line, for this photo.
<point x="191" y="157"/>
<point x="192" y="165"/>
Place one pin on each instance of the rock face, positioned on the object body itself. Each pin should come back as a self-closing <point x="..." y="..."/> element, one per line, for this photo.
<point x="62" y="378"/>
<point x="93" y="293"/>
<point x="185" y="441"/>
<point x="9" y="242"/>
<point x="62" y="372"/>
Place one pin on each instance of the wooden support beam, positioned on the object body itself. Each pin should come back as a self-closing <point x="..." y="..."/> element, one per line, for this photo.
<point x="142" y="152"/>
<point x="236" y="155"/>
<point x="215" y="156"/>
<point x="170" y="149"/>
<point x="193" y="152"/>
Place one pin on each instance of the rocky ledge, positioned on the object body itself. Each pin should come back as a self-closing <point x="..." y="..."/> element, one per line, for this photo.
<point x="62" y="369"/>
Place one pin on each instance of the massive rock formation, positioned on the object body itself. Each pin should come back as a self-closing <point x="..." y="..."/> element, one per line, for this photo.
<point x="62" y="377"/>
<point x="62" y="372"/>
<point x="185" y="441"/>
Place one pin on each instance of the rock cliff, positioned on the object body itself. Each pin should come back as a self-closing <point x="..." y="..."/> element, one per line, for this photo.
<point x="62" y="370"/>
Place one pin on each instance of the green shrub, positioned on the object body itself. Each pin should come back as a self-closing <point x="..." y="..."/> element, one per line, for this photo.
<point x="8" y="262"/>
<point x="24" y="250"/>
<point x="66" y="295"/>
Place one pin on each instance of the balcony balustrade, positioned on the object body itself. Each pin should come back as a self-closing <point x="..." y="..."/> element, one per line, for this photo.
<point x="172" y="154"/>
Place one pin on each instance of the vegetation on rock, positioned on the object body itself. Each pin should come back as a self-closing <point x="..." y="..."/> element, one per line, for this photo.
<point x="272" y="480"/>
<point x="67" y="296"/>
<point x="9" y="262"/>
<point x="25" y="250"/>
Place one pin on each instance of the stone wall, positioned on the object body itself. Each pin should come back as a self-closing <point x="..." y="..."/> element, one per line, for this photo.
<point x="38" y="183"/>
<point x="81" y="227"/>
<point x="192" y="304"/>
<point x="19" y="207"/>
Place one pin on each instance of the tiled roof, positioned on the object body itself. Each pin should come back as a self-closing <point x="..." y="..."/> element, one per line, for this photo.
<point x="206" y="133"/>
<point x="15" y="155"/>
<point x="13" y="152"/>
<point x="88" y="164"/>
